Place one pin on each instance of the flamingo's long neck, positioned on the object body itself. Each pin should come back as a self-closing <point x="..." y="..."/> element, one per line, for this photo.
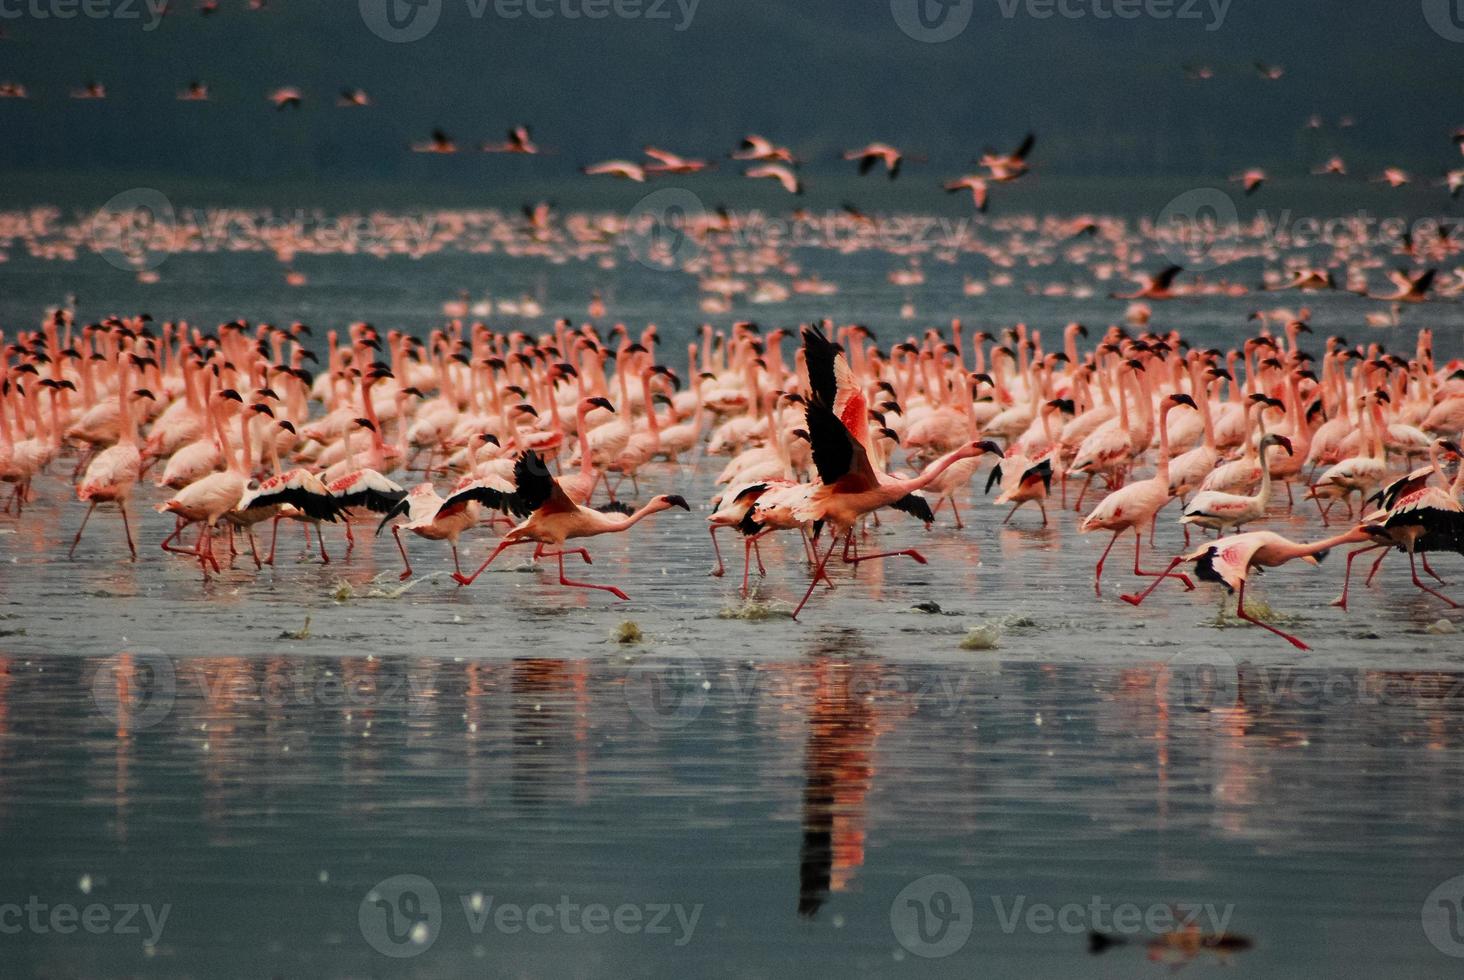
<point x="1265" y="495"/>
<point x="932" y="472"/>
<point x="651" y="422"/>
<point x="1378" y="427"/>
<point x="1294" y="549"/>
<point x="587" y="468"/>
<point x="1202" y="398"/>
<point x="631" y="520"/>
<point x="1161" y="474"/>
<point x="5" y="437"/>
<point x="128" y="431"/>
<point x="246" y="452"/>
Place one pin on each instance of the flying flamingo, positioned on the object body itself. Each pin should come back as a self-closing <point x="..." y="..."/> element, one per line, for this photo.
<point x="552" y="518"/>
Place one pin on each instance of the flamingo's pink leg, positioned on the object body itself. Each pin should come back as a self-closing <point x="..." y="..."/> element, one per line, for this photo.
<point x="1098" y="572"/>
<point x="396" y="532"/>
<point x="721" y="569"/>
<point x="588" y="585"/>
<point x="1188" y="585"/>
<point x="127" y="528"/>
<point x="818" y="573"/>
<point x="1240" y="611"/>
<point x="1418" y="582"/>
<point x="77" y="540"/>
<point x="1376" y="565"/>
<point x="1341" y="600"/>
<point x="1083" y="493"/>
<point x="1134" y="600"/>
<point x="1423" y="558"/>
<point x="462" y="579"/>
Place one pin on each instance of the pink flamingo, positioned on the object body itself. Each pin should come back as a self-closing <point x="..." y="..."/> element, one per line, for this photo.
<point x="1133" y="506"/>
<point x="113" y="472"/>
<point x="1230" y="559"/>
<point x="552" y="518"/>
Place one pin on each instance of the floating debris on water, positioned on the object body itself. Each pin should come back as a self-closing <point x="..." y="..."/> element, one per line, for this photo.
<point x="303" y="633"/>
<point x="933" y="608"/>
<point x="986" y="636"/>
<point x="344" y="591"/>
<point x="1441" y="626"/>
<point x="628" y="632"/>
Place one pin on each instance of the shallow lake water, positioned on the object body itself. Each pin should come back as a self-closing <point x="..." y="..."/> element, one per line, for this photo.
<point x="316" y="770"/>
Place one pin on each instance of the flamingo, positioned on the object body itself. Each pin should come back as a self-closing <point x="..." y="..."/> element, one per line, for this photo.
<point x="552" y="518"/>
<point x="850" y="488"/>
<point x="1230" y="559"/>
<point x="1220" y="511"/>
<point x="113" y="473"/>
<point x="1416" y="517"/>
<point x="624" y="169"/>
<point x="877" y="153"/>
<point x="1134" y="505"/>
<point x="429" y="517"/>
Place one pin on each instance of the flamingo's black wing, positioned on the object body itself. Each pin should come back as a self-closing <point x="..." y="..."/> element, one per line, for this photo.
<point x="1021" y="152"/>
<point x="1042" y="471"/>
<point x="315" y="506"/>
<point x="993" y="478"/>
<point x="834" y="449"/>
<point x="916" y="506"/>
<point x="403" y="506"/>
<point x="818" y="354"/>
<point x="616" y="507"/>
<point x="1443" y="530"/>
<point x="481" y="493"/>
<point x="535" y="487"/>
<point x="1166" y="276"/>
<point x="377" y="498"/>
